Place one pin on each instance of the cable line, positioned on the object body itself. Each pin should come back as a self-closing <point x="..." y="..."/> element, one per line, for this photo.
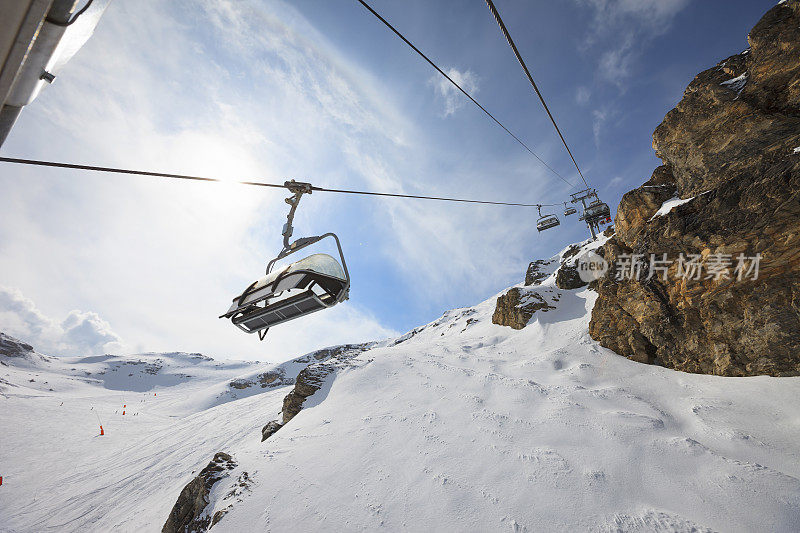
<point x="440" y="71"/>
<point x="290" y="185"/>
<point x="507" y="35"/>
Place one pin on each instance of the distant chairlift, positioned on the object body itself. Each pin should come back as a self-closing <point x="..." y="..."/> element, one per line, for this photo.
<point x="546" y="221"/>
<point x="311" y="284"/>
<point x="569" y="210"/>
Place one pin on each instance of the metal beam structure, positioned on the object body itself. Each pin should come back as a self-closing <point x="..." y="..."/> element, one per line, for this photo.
<point x="37" y="37"/>
<point x="593" y="214"/>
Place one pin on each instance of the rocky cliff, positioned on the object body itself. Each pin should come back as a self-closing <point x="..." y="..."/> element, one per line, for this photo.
<point x="731" y="173"/>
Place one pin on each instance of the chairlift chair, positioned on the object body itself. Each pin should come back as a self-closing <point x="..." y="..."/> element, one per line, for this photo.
<point x="546" y="221"/>
<point x="597" y="211"/>
<point x="569" y="210"/>
<point x="303" y="287"/>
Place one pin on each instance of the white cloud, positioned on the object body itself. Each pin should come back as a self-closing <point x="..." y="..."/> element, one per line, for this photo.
<point x="623" y="28"/>
<point x="161" y="260"/>
<point x="599" y="117"/>
<point x="241" y="90"/>
<point x="79" y="333"/>
<point x="582" y="95"/>
<point x="615" y="64"/>
<point x="615" y="182"/>
<point x="452" y="98"/>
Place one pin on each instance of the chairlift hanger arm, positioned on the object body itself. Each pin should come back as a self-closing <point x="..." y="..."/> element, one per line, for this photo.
<point x="299" y="189"/>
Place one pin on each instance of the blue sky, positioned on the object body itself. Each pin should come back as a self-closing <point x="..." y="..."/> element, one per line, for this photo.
<point x="322" y="92"/>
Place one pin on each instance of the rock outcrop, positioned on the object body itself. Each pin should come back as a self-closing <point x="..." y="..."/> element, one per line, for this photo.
<point x="517" y="306"/>
<point x="189" y="513"/>
<point x="567" y="277"/>
<point x="11" y="347"/>
<point x="537" y="271"/>
<point x="275" y="378"/>
<point x="270" y="429"/>
<point x="731" y="151"/>
<point x="311" y="379"/>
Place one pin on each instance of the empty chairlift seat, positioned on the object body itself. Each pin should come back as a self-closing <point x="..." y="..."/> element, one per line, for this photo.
<point x="311" y="284"/>
<point x="547" y="222"/>
<point x="303" y="287"/>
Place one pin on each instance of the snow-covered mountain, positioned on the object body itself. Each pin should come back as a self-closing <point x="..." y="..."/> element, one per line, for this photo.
<point x="505" y="416"/>
<point x="460" y="425"/>
<point x="162" y="414"/>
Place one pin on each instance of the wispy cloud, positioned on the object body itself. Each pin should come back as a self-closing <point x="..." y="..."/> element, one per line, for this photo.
<point x="615" y="182"/>
<point x="582" y="95"/>
<point x="615" y="64"/>
<point x="599" y="118"/>
<point x="242" y="90"/>
<point x="623" y="28"/>
<point x="451" y="97"/>
<point x="160" y="260"/>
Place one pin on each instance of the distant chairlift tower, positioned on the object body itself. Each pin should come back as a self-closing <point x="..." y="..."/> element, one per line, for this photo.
<point x="595" y="212"/>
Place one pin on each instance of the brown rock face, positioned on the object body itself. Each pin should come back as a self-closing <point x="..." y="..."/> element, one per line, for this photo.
<point x="11" y="347"/>
<point x="187" y="515"/>
<point x="270" y="429"/>
<point x="516" y="307"/>
<point x="638" y="206"/>
<point x="537" y="271"/>
<point x="309" y="381"/>
<point x="729" y="145"/>
<point x="567" y="277"/>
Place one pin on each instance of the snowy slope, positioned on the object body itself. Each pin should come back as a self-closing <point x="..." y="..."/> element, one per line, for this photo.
<point x="59" y="474"/>
<point x="482" y="428"/>
<point x="461" y="425"/>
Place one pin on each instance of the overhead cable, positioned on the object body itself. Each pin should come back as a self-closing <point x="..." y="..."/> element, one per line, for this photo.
<point x="440" y="71"/>
<point x="286" y="185"/>
<point x="507" y="35"/>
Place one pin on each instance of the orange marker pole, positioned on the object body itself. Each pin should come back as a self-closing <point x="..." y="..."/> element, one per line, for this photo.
<point x="100" y="422"/>
<point x="123" y="413"/>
